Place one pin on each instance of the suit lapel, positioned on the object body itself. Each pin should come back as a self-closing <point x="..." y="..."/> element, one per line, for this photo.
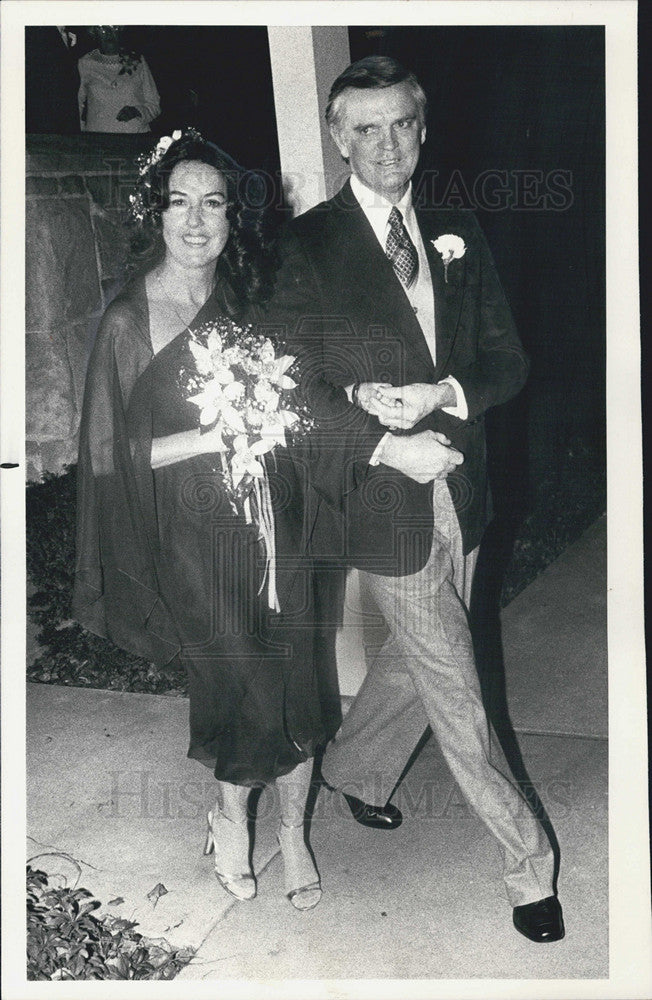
<point x="364" y="266"/>
<point x="448" y="294"/>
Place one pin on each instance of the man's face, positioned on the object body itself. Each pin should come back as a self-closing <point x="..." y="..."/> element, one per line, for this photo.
<point x="380" y="134"/>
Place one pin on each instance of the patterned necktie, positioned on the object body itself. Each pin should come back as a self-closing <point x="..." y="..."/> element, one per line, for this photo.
<point x="401" y="250"/>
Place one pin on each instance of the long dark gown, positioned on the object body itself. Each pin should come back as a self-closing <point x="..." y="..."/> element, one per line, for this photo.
<point x="166" y="569"/>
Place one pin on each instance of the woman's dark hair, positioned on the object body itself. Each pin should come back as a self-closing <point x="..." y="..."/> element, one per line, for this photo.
<point x="246" y="260"/>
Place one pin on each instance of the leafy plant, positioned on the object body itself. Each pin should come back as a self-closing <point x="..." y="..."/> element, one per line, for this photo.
<point x="65" y="940"/>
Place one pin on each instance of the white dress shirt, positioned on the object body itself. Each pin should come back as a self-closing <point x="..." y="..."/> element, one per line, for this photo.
<point x="69" y="38"/>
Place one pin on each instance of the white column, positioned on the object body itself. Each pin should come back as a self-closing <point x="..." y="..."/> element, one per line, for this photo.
<point x="305" y="61"/>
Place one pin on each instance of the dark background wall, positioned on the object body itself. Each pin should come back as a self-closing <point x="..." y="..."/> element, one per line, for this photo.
<point x="218" y="79"/>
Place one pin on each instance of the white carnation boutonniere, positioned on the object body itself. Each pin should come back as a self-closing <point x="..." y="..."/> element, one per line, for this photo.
<point x="451" y="248"/>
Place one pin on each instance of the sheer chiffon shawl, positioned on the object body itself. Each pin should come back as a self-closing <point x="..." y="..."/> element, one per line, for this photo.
<point x="116" y="593"/>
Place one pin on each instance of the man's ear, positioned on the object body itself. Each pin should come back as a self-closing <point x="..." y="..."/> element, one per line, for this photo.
<point x="423" y="134"/>
<point x="339" y="141"/>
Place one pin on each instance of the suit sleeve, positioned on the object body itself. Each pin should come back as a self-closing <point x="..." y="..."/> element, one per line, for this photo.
<point x="344" y="439"/>
<point x="500" y="366"/>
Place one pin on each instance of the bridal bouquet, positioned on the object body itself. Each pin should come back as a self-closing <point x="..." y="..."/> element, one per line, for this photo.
<point x="242" y="386"/>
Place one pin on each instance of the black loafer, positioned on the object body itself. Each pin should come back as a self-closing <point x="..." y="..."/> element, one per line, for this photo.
<point x="379" y="817"/>
<point x="541" y="921"/>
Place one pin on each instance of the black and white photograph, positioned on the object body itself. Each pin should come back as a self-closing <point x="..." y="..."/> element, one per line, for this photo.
<point x="322" y="500"/>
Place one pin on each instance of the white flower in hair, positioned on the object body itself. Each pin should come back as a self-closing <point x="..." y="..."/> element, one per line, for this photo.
<point x="165" y="142"/>
<point x="450" y="247"/>
<point x="163" y="145"/>
<point x="145" y="161"/>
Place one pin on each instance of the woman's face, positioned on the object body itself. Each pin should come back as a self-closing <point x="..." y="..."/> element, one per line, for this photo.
<point x="107" y="37"/>
<point x="195" y="226"/>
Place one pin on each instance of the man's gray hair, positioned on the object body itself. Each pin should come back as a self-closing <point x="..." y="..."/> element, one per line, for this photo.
<point x="373" y="73"/>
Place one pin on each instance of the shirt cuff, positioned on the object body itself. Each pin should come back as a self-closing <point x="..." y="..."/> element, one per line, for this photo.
<point x="461" y="408"/>
<point x="348" y="389"/>
<point x="376" y="458"/>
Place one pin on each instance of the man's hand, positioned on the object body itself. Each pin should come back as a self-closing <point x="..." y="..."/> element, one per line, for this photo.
<point x="368" y="393"/>
<point x="423" y="457"/>
<point x="127" y="113"/>
<point x="404" y="406"/>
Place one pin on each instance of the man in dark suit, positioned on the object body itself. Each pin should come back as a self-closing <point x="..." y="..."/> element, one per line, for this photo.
<point x="402" y="310"/>
<point x="52" y="79"/>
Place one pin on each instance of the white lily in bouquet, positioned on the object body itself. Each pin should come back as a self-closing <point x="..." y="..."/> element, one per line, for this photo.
<point x="244" y="389"/>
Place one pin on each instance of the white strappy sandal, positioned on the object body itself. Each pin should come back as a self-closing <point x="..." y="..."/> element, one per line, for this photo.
<point x="242" y="884"/>
<point x="302" y="883"/>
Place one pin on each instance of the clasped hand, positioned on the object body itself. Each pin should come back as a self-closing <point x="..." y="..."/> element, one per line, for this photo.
<point x="423" y="457"/>
<point x="402" y="407"/>
<point x="127" y="113"/>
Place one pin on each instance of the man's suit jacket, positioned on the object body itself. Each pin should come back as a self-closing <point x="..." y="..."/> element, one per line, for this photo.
<point x="51" y="82"/>
<point x="345" y="312"/>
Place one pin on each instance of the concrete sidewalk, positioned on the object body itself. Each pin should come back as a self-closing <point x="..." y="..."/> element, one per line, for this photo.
<point x="114" y="803"/>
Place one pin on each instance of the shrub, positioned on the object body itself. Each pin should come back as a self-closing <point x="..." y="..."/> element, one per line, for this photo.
<point x="65" y="940"/>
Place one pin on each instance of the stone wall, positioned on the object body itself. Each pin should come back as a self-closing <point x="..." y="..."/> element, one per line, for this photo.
<point x="75" y="245"/>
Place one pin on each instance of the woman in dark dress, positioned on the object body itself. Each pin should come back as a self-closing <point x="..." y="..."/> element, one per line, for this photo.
<point x="167" y="566"/>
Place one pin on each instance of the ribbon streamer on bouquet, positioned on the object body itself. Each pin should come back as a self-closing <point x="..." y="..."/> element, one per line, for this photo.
<point x="267" y="533"/>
